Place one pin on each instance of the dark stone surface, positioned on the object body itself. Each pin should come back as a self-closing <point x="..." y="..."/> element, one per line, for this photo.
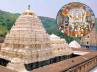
<point x="4" y="62"/>
<point x="35" y="65"/>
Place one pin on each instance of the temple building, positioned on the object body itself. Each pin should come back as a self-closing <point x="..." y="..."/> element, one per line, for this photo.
<point x="28" y="46"/>
<point x="60" y="43"/>
<point x="74" y="44"/>
<point x="90" y="40"/>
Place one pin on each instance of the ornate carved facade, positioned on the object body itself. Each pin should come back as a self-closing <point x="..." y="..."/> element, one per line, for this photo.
<point x="90" y="39"/>
<point x="27" y="42"/>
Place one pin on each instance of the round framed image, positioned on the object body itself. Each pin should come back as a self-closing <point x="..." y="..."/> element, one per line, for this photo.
<point x="75" y="19"/>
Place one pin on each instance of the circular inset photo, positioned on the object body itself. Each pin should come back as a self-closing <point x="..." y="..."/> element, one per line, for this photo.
<point x="75" y="19"/>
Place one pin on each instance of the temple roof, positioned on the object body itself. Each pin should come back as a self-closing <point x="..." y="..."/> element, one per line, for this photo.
<point x="74" y="44"/>
<point x="28" y="29"/>
<point x="54" y="36"/>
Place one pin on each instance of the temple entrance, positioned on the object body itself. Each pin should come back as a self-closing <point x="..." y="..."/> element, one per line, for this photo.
<point x="4" y="62"/>
<point x="87" y="46"/>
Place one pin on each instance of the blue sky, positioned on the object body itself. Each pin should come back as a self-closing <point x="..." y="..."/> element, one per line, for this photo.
<point x="48" y="8"/>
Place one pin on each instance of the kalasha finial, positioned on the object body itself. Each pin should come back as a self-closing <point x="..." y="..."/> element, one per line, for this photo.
<point x="28" y="11"/>
<point x="29" y="7"/>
